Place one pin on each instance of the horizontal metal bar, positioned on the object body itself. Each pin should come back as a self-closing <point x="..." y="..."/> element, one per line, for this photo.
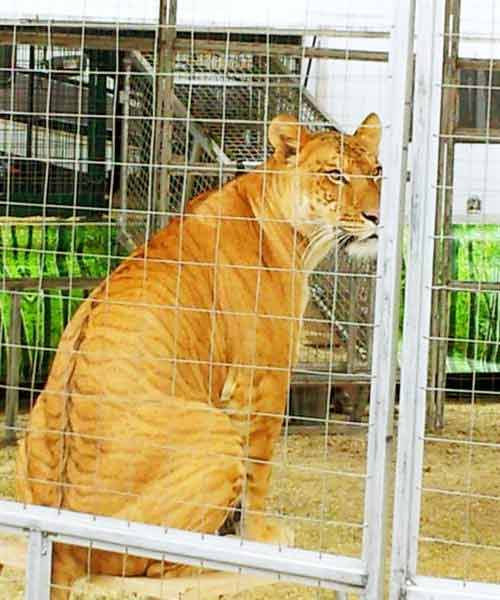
<point x="463" y="494"/>
<point x="431" y="588"/>
<point x="468" y="392"/>
<point x="473" y="135"/>
<point x="430" y="439"/>
<point x="304" y="374"/>
<point x="456" y="285"/>
<point x="464" y="340"/>
<point x="222" y="553"/>
<point x="455" y="543"/>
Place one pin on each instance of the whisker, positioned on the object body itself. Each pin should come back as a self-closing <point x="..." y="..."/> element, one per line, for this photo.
<point x="320" y="243"/>
<point x="324" y="238"/>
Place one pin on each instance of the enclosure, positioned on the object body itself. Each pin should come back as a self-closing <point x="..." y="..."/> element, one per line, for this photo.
<point x="386" y="467"/>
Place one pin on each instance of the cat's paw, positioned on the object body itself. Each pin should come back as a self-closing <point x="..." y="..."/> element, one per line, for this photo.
<point x="269" y="531"/>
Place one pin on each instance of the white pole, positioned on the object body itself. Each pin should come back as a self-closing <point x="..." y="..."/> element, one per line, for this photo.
<point x="39" y="566"/>
<point x="385" y="344"/>
<point x="415" y="347"/>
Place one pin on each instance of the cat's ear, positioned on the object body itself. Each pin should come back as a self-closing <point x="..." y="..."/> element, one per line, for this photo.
<point x="369" y="133"/>
<point x="286" y="135"/>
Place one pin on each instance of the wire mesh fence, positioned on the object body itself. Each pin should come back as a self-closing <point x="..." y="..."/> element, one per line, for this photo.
<point x="454" y="497"/>
<point x="213" y="265"/>
<point x="212" y="91"/>
<point x="224" y="286"/>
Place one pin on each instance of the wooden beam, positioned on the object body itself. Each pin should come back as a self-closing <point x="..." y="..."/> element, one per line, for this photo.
<point x="74" y="40"/>
<point x="164" y="106"/>
<point x="124" y="100"/>
<point x="13" y="370"/>
<point x="124" y="41"/>
<point x="442" y="257"/>
<point x="478" y="64"/>
<point x="262" y="49"/>
<point x="475" y="136"/>
<point x="206" y="584"/>
<point x="49" y="283"/>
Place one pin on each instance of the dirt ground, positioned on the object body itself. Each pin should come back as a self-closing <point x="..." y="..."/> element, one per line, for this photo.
<point x="318" y="488"/>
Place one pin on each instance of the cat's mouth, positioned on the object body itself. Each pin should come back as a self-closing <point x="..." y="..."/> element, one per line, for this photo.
<point x="365" y="248"/>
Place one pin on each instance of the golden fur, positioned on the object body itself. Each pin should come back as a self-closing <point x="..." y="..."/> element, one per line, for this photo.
<point x="169" y="385"/>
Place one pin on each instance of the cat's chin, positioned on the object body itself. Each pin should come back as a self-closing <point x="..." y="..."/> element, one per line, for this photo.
<point x="363" y="249"/>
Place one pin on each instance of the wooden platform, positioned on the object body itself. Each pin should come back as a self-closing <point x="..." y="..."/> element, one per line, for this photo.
<point x="206" y="586"/>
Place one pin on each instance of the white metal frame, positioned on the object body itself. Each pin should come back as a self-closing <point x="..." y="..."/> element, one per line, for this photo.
<point x="47" y="525"/>
<point x="384" y="361"/>
<point x="405" y="583"/>
<point x="365" y="575"/>
<point x="415" y="347"/>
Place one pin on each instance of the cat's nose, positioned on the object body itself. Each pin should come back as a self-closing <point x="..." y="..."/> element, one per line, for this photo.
<point x="371" y="216"/>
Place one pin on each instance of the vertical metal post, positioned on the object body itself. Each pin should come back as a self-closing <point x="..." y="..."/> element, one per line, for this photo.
<point x="125" y="111"/>
<point x="13" y="369"/>
<point x="38" y="567"/>
<point x="415" y="347"/>
<point x="193" y="158"/>
<point x="164" y="106"/>
<point x="444" y="210"/>
<point x="385" y="344"/>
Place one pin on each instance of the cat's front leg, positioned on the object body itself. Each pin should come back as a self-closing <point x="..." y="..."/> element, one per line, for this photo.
<point x="255" y="523"/>
<point x="258" y="403"/>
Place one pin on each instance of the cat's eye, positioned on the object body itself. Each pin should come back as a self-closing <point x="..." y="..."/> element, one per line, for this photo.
<point x="336" y="176"/>
<point x="377" y="171"/>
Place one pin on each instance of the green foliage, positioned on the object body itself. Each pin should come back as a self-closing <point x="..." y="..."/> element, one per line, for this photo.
<point x="40" y="251"/>
<point x="475" y="319"/>
<point x="77" y="250"/>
